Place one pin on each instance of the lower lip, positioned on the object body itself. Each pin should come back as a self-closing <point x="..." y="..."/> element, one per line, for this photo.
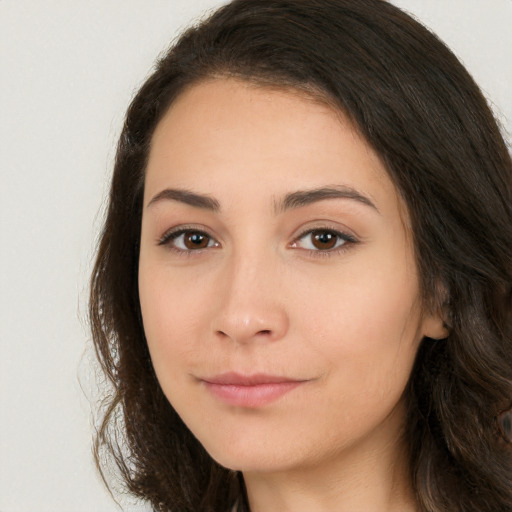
<point x="251" y="396"/>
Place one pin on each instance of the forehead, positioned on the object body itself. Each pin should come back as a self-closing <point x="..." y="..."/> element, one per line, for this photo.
<point x="227" y="132"/>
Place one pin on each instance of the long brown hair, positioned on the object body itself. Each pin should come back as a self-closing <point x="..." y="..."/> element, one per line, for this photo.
<point x="422" y="112"/>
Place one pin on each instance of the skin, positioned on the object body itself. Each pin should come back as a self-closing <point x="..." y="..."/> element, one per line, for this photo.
<point x="262" y="296"/>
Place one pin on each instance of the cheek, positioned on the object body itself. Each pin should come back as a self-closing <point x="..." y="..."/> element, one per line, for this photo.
<point x="367" y="325"/>
<point x="176" y="311"/>
<point x="168" y="319"/>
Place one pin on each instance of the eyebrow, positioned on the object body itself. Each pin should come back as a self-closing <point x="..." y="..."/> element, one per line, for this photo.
<point x="293" y="200"/>
<point x="187" y="197"/>
<point x="306" y="197"/>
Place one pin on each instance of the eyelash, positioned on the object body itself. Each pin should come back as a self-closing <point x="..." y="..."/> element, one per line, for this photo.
<point x="169" y="237"/>
<point x="347" y="240"/>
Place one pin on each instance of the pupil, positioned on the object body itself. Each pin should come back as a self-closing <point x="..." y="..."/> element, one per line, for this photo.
<point x="324" y="240"/>
<point x="196" y="240"/>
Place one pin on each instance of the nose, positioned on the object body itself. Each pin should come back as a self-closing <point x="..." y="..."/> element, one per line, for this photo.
<point x="250" y="303"/>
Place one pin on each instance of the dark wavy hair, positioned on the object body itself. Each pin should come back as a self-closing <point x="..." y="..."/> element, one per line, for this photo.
<point x="421" y="111"/>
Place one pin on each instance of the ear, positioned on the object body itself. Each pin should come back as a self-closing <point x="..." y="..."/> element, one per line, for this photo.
<point x="435" y="325"/>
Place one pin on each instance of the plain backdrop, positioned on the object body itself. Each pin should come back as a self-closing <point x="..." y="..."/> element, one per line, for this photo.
<point x="68" y="71"/>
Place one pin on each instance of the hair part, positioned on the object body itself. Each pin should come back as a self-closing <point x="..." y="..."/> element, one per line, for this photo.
<point x="420" y="110"/>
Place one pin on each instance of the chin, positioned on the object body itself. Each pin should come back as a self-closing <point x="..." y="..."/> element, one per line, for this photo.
<point x="256" y="464"/>
<point x="251" y="457"/>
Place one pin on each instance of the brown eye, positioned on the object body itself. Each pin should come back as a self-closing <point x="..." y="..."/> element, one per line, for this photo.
<point x="187" y="240"/>
<point x="324" y="240"/>
<point x="195" y="240"/>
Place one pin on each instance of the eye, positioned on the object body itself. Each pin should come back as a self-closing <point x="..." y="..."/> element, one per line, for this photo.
<point x="188" y="240"/>
<point x="323" y="240"/>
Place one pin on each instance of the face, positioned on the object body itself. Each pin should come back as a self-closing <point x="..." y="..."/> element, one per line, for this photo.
<point x="277" y="279"/>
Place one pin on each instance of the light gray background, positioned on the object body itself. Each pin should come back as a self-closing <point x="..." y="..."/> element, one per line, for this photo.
<point x="68" y="71"/>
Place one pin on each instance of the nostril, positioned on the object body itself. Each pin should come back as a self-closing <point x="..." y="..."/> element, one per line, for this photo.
<point x="265" y="331"/>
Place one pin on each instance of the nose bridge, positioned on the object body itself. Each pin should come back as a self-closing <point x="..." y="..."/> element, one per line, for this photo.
<point x="250" y="305"/>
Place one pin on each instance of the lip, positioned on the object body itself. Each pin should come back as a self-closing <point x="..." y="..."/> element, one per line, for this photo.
<point x="250" y="391"/>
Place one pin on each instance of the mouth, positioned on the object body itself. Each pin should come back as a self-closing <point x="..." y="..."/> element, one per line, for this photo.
<point x="249" y="391"/>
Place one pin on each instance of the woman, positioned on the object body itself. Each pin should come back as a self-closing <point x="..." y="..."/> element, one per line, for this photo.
<point x="302" y="294"/>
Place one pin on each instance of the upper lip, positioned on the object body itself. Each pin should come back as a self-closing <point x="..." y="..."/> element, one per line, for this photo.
<point x="237" y="379"/>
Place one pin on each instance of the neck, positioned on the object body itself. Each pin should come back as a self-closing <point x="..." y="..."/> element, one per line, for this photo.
<point x="370" y="477"/>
